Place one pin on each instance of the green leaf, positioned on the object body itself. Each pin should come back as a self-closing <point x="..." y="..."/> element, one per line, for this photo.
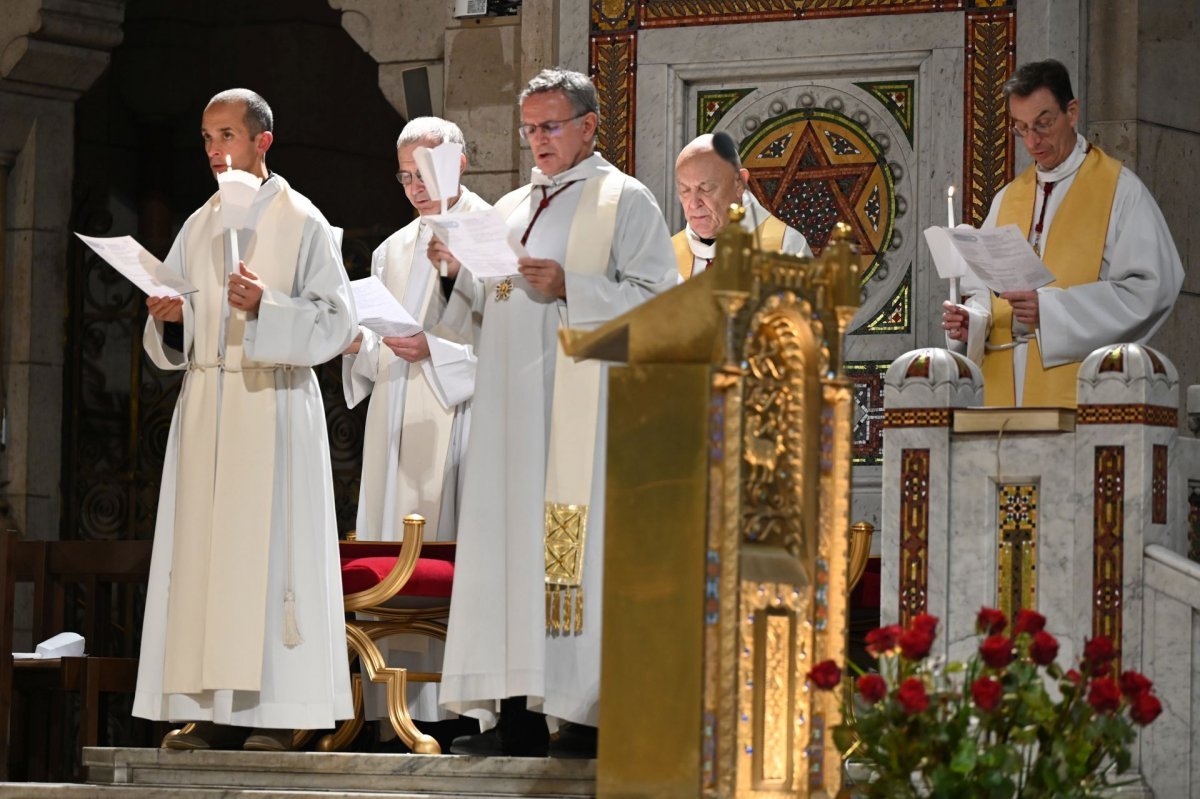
<point x="965" y="757"/>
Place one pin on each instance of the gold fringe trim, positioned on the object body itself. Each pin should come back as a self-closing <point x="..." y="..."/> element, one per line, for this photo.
<point x="564" y="609"/>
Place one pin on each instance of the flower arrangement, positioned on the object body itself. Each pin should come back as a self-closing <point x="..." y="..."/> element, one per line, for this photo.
<point x="989" y="727"/>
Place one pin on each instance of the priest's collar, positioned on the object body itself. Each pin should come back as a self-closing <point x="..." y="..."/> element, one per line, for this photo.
<point x="755" y="216"/>
<point x="589" y="167"/>
<point x="1070" y="164"/>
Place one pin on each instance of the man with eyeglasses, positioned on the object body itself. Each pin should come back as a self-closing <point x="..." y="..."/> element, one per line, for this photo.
<point x="420" y="388"/>
<point x="709" y="177"/>
<point x="525" y="616"/>
<point x="1100" y="233"/>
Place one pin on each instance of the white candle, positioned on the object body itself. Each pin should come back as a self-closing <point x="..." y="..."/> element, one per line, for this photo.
<point x="443" y="267"/>
<point x="950" y="224"/>
<point x="232" y="232"/>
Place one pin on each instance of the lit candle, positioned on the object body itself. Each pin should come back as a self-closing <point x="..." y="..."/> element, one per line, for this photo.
<point x="950" y="224"/>
<point x="232" y="232"/>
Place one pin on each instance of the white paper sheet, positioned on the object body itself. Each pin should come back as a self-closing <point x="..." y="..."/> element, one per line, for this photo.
<point x="481" y="240"/>
<point x="142" y="269"/>
<point x="379" y="311"/>
<point x="946" y="260"/>
<point x="238" y="190"/>
<point x="1002" y="258"/>
<point x="440" y="169"/>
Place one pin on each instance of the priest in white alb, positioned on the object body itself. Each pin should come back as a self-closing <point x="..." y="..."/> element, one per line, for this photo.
<point x="420" y="387"/>
<point x="1099" y="232"/>
<point x="525" y="616"/>
<point x="709" y="177"/>
<point x="244" y="623"/>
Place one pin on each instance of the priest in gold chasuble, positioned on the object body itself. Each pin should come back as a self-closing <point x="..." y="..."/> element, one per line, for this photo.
<point x="709" y="177"/>
<point x="244" y="623"/>
<point x="1100" y="233"/>
<point x="525" y="615"/>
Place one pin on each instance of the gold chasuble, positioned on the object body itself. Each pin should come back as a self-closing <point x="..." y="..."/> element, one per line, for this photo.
<point x="1073" y="253"/>
<point x="575" y="413"/>
<point x="217" y="596"/>
<point x="768" y="236"/>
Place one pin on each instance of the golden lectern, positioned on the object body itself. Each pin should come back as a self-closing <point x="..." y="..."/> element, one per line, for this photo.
<point x="727" y="527"/>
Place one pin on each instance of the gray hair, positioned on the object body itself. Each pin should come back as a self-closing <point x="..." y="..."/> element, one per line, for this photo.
<point x="258" y="113"/>
<point x="576" y="86"/>
<point x="423" y="129"/>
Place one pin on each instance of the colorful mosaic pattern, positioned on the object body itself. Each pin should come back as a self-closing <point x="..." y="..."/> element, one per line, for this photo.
<point x="1016" y="537"/>
<point x="1113" y="361"/>
<point x="677" y="13"/>
<point x="917" y="417"/>
<point x="991" y="43"/>
<point x="1158" y="485"/>
<point x="1152" y="415"/>
<point x="711" y="106"/>
<point x="614" y="72"/>
<point x="898" y="97"/>
<point x="867" y="433"/>
<point x="1108" y="544"/>
<point x="614" y="15"/>
<point x="895" y="315"/>
<point x="813" y="168"/>
<point x="914" y="533"/>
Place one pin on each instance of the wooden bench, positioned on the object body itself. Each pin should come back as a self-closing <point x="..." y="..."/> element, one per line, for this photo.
<point x="90" y="587"/>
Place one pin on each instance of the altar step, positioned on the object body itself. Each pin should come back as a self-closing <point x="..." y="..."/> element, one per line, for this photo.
<point x="164" y="774"/>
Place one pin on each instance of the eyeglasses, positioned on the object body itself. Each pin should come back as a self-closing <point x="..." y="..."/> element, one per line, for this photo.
<point x="552" y="128"/>
<point x="1042" y="129"/>
<point x="407" y="178"/>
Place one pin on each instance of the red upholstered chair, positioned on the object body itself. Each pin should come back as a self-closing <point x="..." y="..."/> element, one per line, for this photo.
<point x="394" y="588"/>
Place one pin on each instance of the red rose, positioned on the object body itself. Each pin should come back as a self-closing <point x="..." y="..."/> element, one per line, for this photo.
<point x="1043" y="648"/>
<point x="911" y="696"/>
<point x="925" y="623"/>
<point x="987" y="693"/>
<point x="1029" y="621"/>
<point x="1133" y="683"/>
<point x="1097" y="652"/>
<point x="990" y="621"/>
<point x="996" y="651"/>
<point x="1104" y="695"/>
<point x="1145" y="708"/>
<point x="871" y="688"/>
<point x="1074" y="677"/>
<point x="915" y="644"/>
<point x="883" y="640"/>
<point x="825" y="675"/>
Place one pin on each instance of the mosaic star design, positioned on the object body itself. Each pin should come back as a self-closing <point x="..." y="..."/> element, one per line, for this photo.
<point x="895" y="315"/>
<point x="814" y="168"/>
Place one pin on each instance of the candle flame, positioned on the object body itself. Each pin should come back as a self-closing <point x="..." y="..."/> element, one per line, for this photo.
<point x="950" y="192"/>
<point x="229" y="165"/>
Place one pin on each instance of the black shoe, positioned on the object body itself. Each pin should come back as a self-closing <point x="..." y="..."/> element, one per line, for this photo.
<point x="482" y="744"/>
<point x="574" y="741"/>
<point x="206" y="735"/>
<point x="519" y="733"/>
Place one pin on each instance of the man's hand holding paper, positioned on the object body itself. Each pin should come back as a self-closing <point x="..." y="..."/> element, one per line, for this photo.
<point x="1001" y="258"/>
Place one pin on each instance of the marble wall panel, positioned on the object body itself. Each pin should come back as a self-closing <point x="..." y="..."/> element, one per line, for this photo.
<point x="1171" y="624"/>
<point x="1168" y="40"/>
<point x="482" y="83"/>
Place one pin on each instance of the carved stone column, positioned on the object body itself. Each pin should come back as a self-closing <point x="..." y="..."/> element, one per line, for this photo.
<point x="51" y="51"/>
